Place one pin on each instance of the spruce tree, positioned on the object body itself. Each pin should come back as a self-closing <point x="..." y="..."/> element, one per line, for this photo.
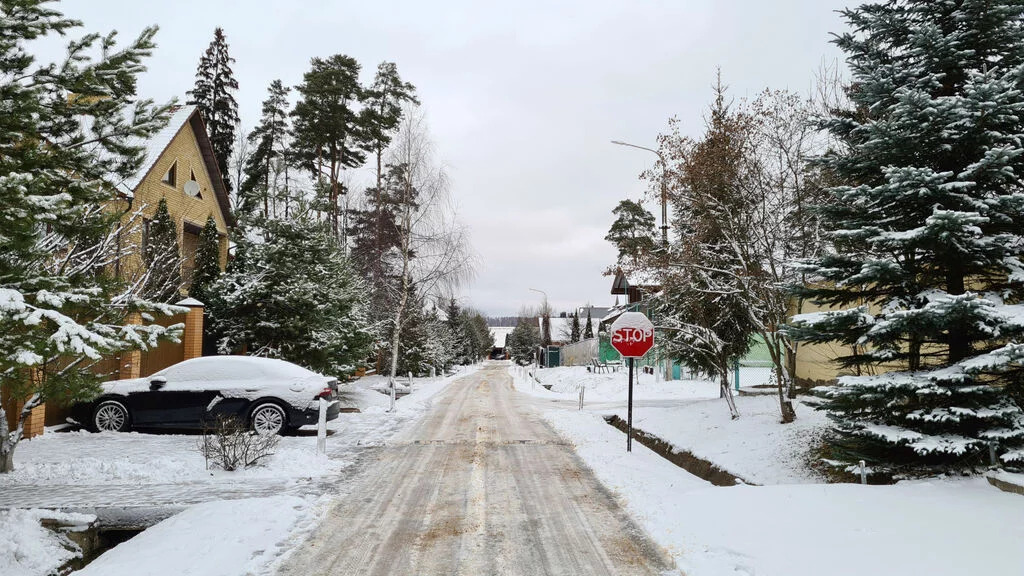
<point x="574" y="330"/>
<point x="291" y="294"/>
<point x="588" y="329"/>
<point x="925" y="276"/>
<point x="207" y="263"/>
<point x="271" y="140"/>
<point x="68" y="135"/>
<point x="162" y="257"/>
<point x="523" y="341"/>
<point x="213" y="95"/>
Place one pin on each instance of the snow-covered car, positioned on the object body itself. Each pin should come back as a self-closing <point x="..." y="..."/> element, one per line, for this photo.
<point x="271" y="396"/>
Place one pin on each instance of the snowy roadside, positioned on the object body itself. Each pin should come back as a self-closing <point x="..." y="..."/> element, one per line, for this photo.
<point x="796" y="528"/>
<point x="807" y="529"/>
<point x="223" y="538"/>
<point x="689" y="415"/>
<point x="248" y="513"/>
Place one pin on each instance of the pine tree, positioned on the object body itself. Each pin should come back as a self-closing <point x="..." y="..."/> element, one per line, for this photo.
<point x="574" y="330"/>
<point x="291" y="294"/>
<point x="214" y="96"/>
<point x="926" y="270"/>
<point x="67" y="137"/>
<point x="329" y="133"/>
<point x="588" y="329"/>
<point x="207" y="264"/>
<point x="382" y="110"/>
<point x="163" y="257"/>
<point x="632" y="232"/>
<point x="271" y="140"/>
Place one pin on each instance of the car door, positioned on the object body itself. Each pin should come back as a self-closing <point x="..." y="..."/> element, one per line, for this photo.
<point x="179" y="402"/>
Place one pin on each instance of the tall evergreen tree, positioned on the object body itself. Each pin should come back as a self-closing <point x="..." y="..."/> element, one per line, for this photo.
<point x="291" y="294"/>
<point x="382" y="110"/>
<point x="162" y="257"/>
<point x="329" y="132"/>
<point x="207" y="264"/>
<point x="67" y="137"/>
<point x="588" y="329"/>
<point x="928" y="229"/>
<point x="632" y="232"/>
<point x="574" y="329"/>
<point x="523" y="341"/>
<point x="213" y="94"/>
<point x="271" y="140"/>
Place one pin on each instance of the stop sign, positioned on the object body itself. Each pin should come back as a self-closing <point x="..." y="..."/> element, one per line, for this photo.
<point x="632" y="334"/>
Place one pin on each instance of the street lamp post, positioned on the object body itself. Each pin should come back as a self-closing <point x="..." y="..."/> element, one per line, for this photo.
<point x="664" y="191"/>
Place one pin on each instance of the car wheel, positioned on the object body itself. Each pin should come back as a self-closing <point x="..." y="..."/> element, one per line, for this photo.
<point x="110" y="416"/>
<point x="268" y="418"/>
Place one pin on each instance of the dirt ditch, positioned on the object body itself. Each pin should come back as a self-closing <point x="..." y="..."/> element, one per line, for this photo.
<point x="699" y="467"/>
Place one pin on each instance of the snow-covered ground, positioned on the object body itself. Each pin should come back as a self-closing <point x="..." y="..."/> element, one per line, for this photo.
<point x="689" y="415"/>
<point x="221" y="538"/>
<point x="945" y="527"/>
<point x="229" y="509"/>
<point x="27" y="548"/>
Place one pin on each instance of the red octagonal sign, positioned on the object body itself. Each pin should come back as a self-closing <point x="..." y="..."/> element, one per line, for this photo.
<point x="632" y="334"/>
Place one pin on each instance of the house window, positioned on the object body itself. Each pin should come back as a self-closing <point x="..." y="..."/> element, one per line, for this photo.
<point x="171" y="178"/>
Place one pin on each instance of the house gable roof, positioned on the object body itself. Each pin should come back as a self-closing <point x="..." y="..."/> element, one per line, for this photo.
<point x="157" y="144"/>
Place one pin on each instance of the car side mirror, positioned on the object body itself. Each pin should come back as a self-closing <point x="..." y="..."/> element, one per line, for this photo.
<point x="157" y="382"/>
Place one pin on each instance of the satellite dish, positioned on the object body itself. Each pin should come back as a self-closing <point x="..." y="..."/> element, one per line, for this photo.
<point x="192" y="188"/>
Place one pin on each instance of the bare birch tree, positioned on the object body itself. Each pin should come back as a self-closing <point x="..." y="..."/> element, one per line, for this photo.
<point x="434" y="255"/>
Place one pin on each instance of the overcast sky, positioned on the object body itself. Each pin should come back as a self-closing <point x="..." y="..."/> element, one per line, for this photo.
<point x="522" y="99"/>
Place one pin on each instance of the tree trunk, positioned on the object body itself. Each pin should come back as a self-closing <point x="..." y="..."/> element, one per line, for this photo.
<point x="6" y="446"/>
<point x="726" y="392"/>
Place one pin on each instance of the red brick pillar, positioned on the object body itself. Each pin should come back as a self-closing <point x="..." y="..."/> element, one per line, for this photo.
<point x="192" y="339"/>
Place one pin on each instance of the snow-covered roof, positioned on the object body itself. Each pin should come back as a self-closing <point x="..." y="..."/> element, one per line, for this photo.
<point x="560" y="328"/>
<point x="155" y="146"/>
<point x="500" y="334"/>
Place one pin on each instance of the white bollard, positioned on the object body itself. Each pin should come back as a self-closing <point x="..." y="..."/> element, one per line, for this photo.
<point x="582" y="389"/>
<point x="863" y="473"/>
<point x="321" y="428"/>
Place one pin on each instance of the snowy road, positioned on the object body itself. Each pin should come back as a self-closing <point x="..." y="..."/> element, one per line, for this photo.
<point x="481" y="485"/>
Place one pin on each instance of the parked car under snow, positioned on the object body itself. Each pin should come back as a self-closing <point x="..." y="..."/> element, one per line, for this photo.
<point x="271" y="396"/>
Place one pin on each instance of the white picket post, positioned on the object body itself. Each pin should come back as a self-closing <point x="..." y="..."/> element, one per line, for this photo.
<point x="321" y="428"/>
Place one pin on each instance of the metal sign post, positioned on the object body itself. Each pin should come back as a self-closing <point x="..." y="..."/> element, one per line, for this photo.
<point x="632" y="335"/>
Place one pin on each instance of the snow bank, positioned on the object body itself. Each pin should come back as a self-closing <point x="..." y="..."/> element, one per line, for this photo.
<point x="29" y="549"/>
<point x="805" y="530"/>
<point x="222" y="538"/>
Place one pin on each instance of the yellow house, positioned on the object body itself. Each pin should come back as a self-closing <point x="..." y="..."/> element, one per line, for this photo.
<point x="179" y="167"/>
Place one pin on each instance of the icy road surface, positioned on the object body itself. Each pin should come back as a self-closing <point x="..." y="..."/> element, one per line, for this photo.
<point x="481" y="485"/>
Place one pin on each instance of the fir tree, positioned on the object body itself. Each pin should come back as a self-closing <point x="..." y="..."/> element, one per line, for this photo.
<point x="574" y="330"/>
<point x="523" y="341"/>
<point x="926" y="270"/>
<point x="329" y="134"/>
<point x="271" y="140"/>
<point x="163" y="257"/>
<point x="214" y="96"/>
<point x="588" y="329"/>
<point x="67" y="137"/>
<point x="291" y="294"/>
<point x="632" y="232"/>
<point x="207" y="263"/>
